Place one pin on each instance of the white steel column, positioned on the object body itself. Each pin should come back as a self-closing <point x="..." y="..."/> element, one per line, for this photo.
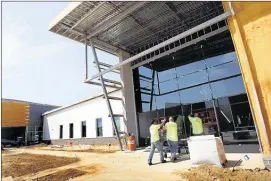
<point x="129" y="97"/>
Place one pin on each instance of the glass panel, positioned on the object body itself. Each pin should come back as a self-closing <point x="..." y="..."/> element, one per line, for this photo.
<point x="71" y="130"/>
<point x="117" y="120"/>
<point x="84" y="129"/>
<point x="99" y="127"/>
<point x="61" y="132"/>
<point x="193" y="79"/>
<point x="196" y="94"/>
<point x="145" y="84"/>
<point x="223" y="71"/>
<point x="168" y="86"/>
<point x="189" y="68"/>
<point x="145" y="71"/>
<point x="229" y="87"/>
<point x="145" y="97"/>
<point x="145" y="107"/>
<point x="166" y="75"/>
<point x="161" y="101"/>
<point x="221" y="59"/>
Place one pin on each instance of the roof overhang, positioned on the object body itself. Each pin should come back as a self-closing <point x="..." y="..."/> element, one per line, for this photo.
<point x="139" y="28"/>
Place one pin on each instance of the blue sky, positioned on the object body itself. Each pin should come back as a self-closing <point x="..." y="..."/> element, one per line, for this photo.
<point x="38" y="65"/>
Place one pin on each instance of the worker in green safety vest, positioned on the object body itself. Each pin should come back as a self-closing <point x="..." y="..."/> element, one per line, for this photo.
<point x="196" y="124"/>
<point x="155" y="140"/>
<point x="172" y="137"/>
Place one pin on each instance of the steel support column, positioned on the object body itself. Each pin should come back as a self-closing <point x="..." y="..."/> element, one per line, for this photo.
<point x="105" y="94"/>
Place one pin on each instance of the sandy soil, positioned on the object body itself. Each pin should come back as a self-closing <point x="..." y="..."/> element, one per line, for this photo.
<point x="24" y="163"/>
<point x="63" y="175"/>
<point x="207" y="172"/>
<point x="121" y="166"/>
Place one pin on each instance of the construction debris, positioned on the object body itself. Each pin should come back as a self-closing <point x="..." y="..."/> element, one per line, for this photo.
<point x="214" y="173"/>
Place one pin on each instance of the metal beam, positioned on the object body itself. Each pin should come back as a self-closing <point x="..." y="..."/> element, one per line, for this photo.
<point x="111" y="81"/>
<point x="86" y="55"/>
<point x="112" y="21"/>
<point x="105" y="94"/>
<point x="114" y="71"/>
<point x="111" y="49"/>
<point x="167" y="42"/>
<point x="152" y="88"/>
<point x="88" y="14"/>
<point x="106" y="85"/>
<point x="220" y="30"/>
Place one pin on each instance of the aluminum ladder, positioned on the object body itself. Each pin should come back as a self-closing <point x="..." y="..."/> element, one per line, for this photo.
<point x="104" y="83"/>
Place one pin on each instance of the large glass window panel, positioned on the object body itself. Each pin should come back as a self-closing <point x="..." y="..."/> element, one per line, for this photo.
<point x="221" y="59"/>
<point x="161" y="101"/>
<point x="145" y="71"/>
<point x="145" y="107"/>
<point x="189" y="68"/>
<point x="168" y="86"/>
<point x="145" y="84"/>
<point x="196" y="94"/>
<point x="228" y="87"/>
<point x="145" y="97"/>
<point x="223" y="71"/>
<point x="193" y="79"/>
<point x="167" y="74"/>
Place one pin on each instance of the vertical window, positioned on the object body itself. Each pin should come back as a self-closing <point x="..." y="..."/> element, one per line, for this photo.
<point x="84" y="129"/>
<point x="71" y="130"/>
<point x="99" y="127"/>
<point x="60" y="131"/>
<point x="117" y="120"/>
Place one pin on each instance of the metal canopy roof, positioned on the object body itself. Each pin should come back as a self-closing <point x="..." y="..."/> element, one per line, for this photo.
<point x="131" y="26"/>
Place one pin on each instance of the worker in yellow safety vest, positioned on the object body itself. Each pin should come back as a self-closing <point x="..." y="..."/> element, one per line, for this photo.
<point x="196" y="124"/>
<point x="172" y="138"/>
<point x="155" y="141"/>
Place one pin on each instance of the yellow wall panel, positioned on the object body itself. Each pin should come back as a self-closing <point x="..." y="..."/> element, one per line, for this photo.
<point x="14" y="114"/>
<point x="250" y="29"/>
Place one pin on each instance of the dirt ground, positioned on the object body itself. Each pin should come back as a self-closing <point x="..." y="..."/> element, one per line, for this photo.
<point x="63" y="175"/>
<point x="122" y="166"/>
<point x="207" y="172"/>
<point x="24" y="163"/>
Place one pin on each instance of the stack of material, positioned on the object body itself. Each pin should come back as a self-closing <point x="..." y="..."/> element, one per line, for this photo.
<point x="206" y="150"/>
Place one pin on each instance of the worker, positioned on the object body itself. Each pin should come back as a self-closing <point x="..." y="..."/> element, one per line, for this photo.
<point x="155" y="141"/>
<point x="196" y="124"/>
<point x="172" y="138"/>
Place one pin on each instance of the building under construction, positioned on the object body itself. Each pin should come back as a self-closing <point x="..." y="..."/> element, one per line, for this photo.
<point x="177" y="58"/>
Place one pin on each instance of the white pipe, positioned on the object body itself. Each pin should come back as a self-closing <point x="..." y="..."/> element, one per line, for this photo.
<point x="213" y="33"/>
<point x="167" y="42"/>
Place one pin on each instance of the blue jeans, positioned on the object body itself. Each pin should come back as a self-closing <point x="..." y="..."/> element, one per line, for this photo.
<point x="173" y="147"/>
<point x="159" y="146"/>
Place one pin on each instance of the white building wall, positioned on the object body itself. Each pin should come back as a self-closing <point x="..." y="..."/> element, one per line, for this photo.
<point x="87" y="111"/>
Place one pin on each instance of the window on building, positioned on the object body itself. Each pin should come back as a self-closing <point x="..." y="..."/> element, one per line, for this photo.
<point x="99" y="127"/>
<point x="84" y="129"/>
<point x="71" y="130"/>
<point x="117" y="120"/>
<point x="60" y="131"/>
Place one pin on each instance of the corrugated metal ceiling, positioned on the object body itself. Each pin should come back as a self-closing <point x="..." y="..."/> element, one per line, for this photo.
<point x="138" y="30"/>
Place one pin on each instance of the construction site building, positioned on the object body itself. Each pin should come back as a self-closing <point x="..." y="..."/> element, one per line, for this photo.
<point x="182" y="57"/>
